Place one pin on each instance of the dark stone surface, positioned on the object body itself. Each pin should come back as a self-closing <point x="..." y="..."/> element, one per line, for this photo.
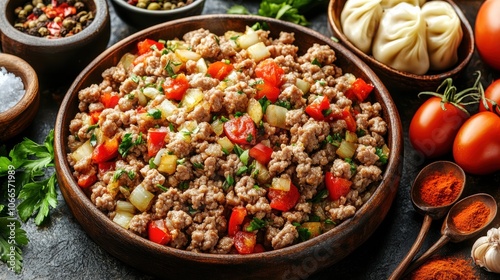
<point x="61" y="249"/>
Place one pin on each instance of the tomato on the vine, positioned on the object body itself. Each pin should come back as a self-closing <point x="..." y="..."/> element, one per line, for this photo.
<point x="487" y="32"/>
<point x="477" y="146"/>
<point x="491" y="98"/>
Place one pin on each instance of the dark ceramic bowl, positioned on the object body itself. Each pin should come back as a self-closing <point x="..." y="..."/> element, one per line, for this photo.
<point x="296" y="261"/>
<point x="142" y="18"/>
<point x="61" y="59"/>
<point x="15" y="119"/>
<point x="402" y="82"/>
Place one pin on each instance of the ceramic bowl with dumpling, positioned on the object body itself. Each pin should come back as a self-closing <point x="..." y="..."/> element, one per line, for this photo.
<point x="413" y="45"/>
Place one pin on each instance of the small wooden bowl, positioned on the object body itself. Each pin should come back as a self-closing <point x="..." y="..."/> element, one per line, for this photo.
<point x="56" y="60"/>
<point x="140" y="18"/>
<point x="400" y="80"/>
<point x="297" y="261"/>
<point x="16" y="119"/>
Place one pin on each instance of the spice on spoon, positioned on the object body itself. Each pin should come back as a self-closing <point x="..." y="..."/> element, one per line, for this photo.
<point x="440" y="189"/>
<point x="472" y="217"/>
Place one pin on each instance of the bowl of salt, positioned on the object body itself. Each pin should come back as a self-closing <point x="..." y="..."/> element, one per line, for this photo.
<point x="19" y="95"/>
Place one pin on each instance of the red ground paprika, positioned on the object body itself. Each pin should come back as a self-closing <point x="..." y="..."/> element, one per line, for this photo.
<point x="440" y="189"/>
<point x="471" y="217"/>
<point x="441" y="268"/>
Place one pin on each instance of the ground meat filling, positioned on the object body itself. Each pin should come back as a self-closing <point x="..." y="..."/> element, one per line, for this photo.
<point x="165" y="142"/>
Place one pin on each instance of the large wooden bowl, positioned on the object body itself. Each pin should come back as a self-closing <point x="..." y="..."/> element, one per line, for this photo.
<point x="297" y="261"/>
<point x="400" y="81"/>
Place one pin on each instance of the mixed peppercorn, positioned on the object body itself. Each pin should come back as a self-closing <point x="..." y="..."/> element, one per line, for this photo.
<point x="159" y="4"/>
<point x="53" y="18"/>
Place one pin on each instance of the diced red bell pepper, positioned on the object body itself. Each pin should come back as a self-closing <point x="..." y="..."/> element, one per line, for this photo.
<point x="271" y="92"/>
<point x="94" y="116"/>
<point x="106" y="166"/>
<point x="359" y="90"/>
<point x="156" y="140"/>
<point x="259" y="248"/>
<point x="245" y="242"/>
<point x="317" y="109"/>
<point x="176" y="88"/>
<point x="109" y="100"/>
<point x="261" y="153"/>
<point x="270" y="71"/>
<point x="146" y="45"/>
<point x="236" y="220"/>
<point x="220" y="70"/>
<point x="106" y="151"/>
<point x="349" y="119"/>
<point x="158" y="232"/>
<point x="283" y="200"/>
<point x="336" y="186"/>
<point x="86" y="180"/>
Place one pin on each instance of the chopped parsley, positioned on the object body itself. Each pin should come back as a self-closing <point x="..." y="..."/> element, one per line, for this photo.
<point x="255" y="224"/>
<point x="118" y="173"/>
<point x="154" y="113"/>
<point x="198" y="165"/>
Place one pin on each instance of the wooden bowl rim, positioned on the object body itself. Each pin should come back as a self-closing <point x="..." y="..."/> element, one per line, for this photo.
<point x="22" y="69"/>
<point x="7" y="29"/>
<point x="467" y="31"/>
<point x="392" y="171"/>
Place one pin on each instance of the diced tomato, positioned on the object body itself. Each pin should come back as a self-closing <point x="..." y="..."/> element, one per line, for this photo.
<point x="359" y="90"/>
<point x="259" y="248"/>
<point x="270" y="71"/>
<point x="244" y="242"/>
<point x="146" y="45"/>
<point x="283" y="200"/>
<point x="95" y="116"/>
<point x="349" y="119"/>
<point x="106" y="166"/>
<point x="105" y="151"/>
<point x="236" y="220"/>
<point x="156" y="140"/>
<point x="175" y="88"/>
<point x="86" y="180"/>
<point x="220" y="70"/>
<point x="317" y="109"/>
<point x="240" y="130"/>
<point x="109" y="100"/>
<point x="54" y="28"/>
<point x="268" y="90"/>
<point x="261" y="153"/>
<point x="336" y="186"/>
<point x="158" y="232"/>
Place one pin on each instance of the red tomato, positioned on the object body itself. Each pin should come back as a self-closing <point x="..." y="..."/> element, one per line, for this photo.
<point x="336" y="186"/>
<point x="244" y="242"/>
<point x="176" y="88"/>
<point x="86" y="180"/>
<point x="156" y="140"/>
<point x="317" y="108"/>
<point x="95" y="116"/>
<point x="432" y="129"/>
<point x="241" y="130"/>
<point x="220" y="70"/>
<point x="349" y="119"/>
<point x="261" y="153"/>
<point x="158" y="232"/>
<point x="283" y="200"/>
<point x="268" y="90"/>
<point x="106" y="166"/>
<point x="359" y="90"/>
<point x="109" y="100"/>
<point x="487" y="32"/>
<point x="270" y="71"/>
<point x="259" y="248"/>
<point x="477" y="146"/>
<point x="492" y="93"/>
<point x="105" y="151"/>
<point x="146" y="45"/>
<point x="236" y="220"/>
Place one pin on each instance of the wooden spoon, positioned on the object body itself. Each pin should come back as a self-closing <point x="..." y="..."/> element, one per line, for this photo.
<point x="451" y="233"/>
<point x="430" y="212"/>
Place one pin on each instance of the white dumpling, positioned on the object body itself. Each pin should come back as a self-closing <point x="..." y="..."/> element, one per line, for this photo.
<point x="444" y="34"/>
<point x="386" y="4"/>
<point x="359" y="20"/>
<point x="400" y="41"/>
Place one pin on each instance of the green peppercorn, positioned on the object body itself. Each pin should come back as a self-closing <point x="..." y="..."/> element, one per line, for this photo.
<point x="68" y="23"/>
<point x="154" y="6"/>
<point x="28" y="8"/>
<point x="43" y="31"/>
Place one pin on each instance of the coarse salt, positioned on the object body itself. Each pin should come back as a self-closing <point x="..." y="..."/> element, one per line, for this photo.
<point x="11" y="89"/>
